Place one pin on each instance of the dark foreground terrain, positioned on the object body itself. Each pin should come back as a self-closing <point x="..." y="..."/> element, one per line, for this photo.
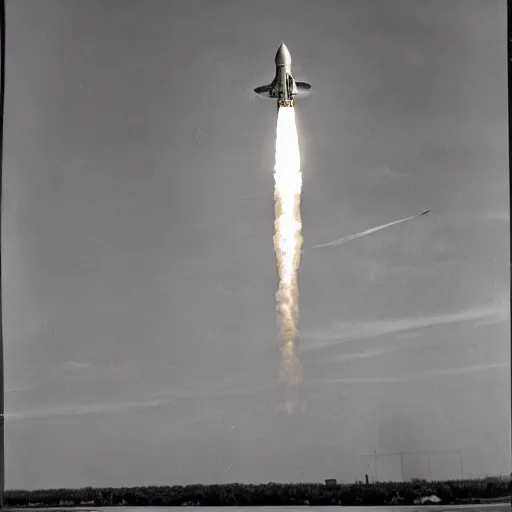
<point x="383" y="493"/>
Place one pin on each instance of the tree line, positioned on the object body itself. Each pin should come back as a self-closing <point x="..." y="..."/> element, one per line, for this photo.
<point x="271" y="494"/>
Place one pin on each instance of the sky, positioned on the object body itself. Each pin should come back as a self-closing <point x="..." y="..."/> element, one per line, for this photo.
<point x="139" y="279"/>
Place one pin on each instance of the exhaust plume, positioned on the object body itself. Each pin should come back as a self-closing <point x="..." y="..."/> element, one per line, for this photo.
<point x="288" y="240"/>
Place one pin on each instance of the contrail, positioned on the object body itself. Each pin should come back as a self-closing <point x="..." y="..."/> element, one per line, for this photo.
<point x="348" y="238"/>
<point x="288" y="239"/>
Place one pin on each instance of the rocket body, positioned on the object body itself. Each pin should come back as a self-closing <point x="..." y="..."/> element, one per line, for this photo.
<point x="283" y="87"/>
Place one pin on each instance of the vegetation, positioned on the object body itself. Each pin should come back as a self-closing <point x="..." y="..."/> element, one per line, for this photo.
<point x="271" y="494"/>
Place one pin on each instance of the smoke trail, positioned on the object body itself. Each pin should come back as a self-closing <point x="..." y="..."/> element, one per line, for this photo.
<point x="348" y="238"/>
<point x="288" y="239"/>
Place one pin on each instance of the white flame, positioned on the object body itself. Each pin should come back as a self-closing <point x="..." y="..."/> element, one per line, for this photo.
<point x="288" y="238"/>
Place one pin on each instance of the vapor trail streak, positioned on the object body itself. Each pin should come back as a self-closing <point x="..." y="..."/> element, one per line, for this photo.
<point x="348" y="238"/>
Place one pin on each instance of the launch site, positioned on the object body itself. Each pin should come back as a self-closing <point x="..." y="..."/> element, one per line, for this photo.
<point x="255" y="254"/>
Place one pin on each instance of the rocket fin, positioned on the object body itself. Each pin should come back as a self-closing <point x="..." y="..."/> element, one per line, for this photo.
<point x="303" y="89"/>
<point x="263" y="90"/>
<point x="303" y="86"/>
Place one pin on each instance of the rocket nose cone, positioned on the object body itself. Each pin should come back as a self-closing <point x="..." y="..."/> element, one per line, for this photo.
<point x="283" y="56"/>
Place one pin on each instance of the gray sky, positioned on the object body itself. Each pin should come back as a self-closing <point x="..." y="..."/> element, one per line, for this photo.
<point x="139" y="274"/>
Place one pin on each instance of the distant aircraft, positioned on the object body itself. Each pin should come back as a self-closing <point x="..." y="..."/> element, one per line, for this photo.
<point x="348" y="238"/>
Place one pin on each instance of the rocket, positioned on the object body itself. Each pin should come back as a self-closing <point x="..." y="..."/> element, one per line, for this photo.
<point x="283" y="87"/>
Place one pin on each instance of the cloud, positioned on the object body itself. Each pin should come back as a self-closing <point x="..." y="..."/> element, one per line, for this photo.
<point x="417" y="376"/>
<point x="367" y="380"/>
<point x="407" y="335"/>
<point x="73" y="365"/>
<point x="210" y="393"/>
<point x="15" y="390"/>
<point x="82" y="410"/>
<point x="470" y="218"/>
<point x="378" y="270"/>
<point x="167" y="397"/>
<point x="340" y="332"/>
<point x="387" y="172"/>
<point x="492" y="320"/>
<point x="85" y="368"/>
<point x="224" y="291"/>
<point x="469" y="369"/>
<point x="170" y="397"/>
<point x="366" y="354"/>
<point x="498" y="215"/>
<point x="380" y="174"/>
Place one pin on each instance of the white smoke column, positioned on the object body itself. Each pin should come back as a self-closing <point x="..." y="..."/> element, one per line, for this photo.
<point x="288" y="239"/>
